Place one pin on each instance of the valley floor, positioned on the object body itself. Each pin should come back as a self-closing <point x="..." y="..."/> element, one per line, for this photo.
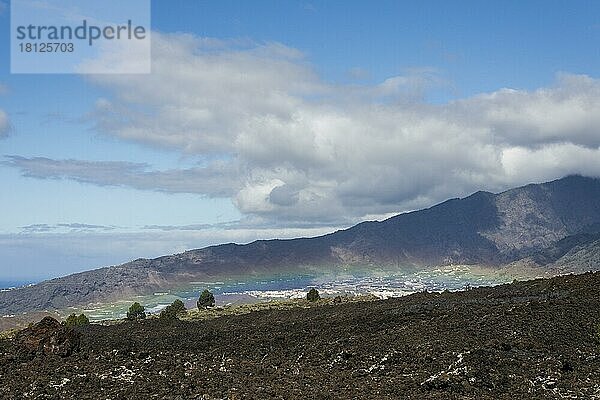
<point x="527" y="340"/>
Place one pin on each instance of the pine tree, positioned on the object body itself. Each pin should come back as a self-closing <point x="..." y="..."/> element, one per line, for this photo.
<point x="206" y="299"/>
<point x="136" y="312"/>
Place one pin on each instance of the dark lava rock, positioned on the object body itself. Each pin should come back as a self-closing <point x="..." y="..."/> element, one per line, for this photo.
<point x="48" y="337"/>
<point x="508" y="342"/>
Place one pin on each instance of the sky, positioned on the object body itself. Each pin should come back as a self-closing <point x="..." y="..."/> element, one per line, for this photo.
<point x="277" y="119"/>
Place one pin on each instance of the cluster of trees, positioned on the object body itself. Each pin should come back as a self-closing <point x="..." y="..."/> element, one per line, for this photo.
<point x="177" y="308"/>
<point x="74" y="320"/>
<point x="173" y="311"/>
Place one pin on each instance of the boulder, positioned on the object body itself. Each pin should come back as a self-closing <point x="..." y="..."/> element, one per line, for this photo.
<point x="48" y="337"/>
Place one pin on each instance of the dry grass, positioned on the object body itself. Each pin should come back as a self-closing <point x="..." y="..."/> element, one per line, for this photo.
<point x="239" y="309"/>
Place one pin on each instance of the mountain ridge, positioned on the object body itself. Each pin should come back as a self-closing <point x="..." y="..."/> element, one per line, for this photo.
<point x="484" y="228"/>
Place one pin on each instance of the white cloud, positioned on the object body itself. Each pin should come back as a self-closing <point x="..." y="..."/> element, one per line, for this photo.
<point x="543" y="164"/>
<point x="567" y="112"/>
<point x="214" y="180"/>
<point x="118" y="57"/>
<point x="295" y="148"/>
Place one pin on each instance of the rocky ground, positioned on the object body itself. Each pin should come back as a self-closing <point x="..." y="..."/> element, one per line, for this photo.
<point x="526" y="340"/>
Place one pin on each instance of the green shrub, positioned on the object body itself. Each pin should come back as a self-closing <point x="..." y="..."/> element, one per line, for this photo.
<point x="136" y="312"/>
<point x="313" y="295"/>
<point x="71" y="321"/>
<point x="206" y="299"/>
<point x="83" y="320"/>
<point x="174" y="310"/>
<point x="74" y="320"/>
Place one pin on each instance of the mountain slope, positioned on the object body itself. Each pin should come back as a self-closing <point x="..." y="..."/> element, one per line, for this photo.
<point x="573" y="254"/>
<point x="535" y="216"/>
<point x="484" y="228"/>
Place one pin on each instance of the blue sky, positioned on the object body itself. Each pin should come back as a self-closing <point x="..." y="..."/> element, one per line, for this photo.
<point x="284" y="118"/>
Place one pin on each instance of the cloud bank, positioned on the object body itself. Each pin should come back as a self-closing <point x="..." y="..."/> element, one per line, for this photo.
<point x="215" y="180"/>
<point x="291" y="147"/>
<point x="62" y="228"/>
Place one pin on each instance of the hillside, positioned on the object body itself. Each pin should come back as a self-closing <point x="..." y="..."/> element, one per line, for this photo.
<point x="577" y="253"/>
<point x="486" y="229"/>
<point x="526" y="340"/>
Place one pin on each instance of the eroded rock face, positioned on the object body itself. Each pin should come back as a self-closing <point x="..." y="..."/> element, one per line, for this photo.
<point x="48" y="337"/>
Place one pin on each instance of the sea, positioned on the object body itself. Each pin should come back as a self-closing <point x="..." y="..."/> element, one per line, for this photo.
<point x="13" y="284"/>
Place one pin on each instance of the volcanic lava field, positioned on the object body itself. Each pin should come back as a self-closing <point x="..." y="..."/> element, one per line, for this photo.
<point x="526" y="340"/>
